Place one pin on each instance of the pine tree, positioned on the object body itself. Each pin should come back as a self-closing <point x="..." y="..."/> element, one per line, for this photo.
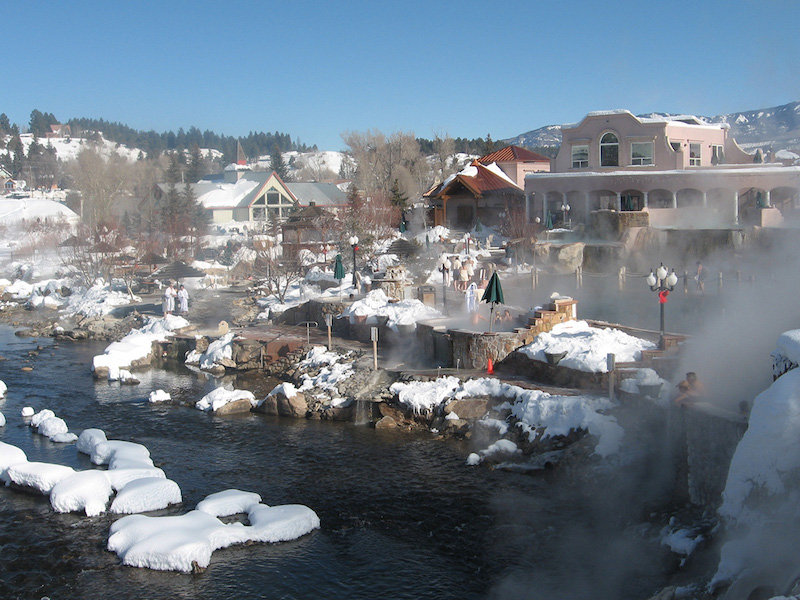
<point x="276" y="160"/>
<point x="397" y="197"/>
<point x="197" y="167"/>
<point x="488" y="145"/>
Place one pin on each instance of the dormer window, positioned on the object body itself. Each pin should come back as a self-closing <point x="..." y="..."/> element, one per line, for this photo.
<point x="609" y="150"/>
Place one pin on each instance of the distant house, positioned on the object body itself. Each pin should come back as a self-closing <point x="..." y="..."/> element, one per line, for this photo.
<point x="674" y="171"/>
<point x="249" y="197"/>
<point x="59" y="131"/>
<point x="478" y="191"/>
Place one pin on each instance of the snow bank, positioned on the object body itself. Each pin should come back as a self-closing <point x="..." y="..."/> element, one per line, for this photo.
<point x="37" y="475"/>
<point x="787" y="352"/>
<point x="228" y="502"/>
<point x="534" y="410"/>
<point x="10" y="455"/>
<point x="146" y="494"/>
<point x="218" y="350"/>
<point x="85" y="490"/>
<point x="219" y="397"/>
<point x="586" y="347"/>
<point x="159" y="396"/>
<point x="138" y="344"/>
<point x="330" y="375"/>
<point x="181" y="542"/>
<point x="376" y="304"/>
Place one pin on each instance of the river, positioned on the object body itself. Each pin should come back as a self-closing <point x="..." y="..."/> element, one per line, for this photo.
<point x="401" y="515"/>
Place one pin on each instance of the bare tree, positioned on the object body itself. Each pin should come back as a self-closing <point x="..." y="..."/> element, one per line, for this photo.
<point x="381" y="160"/>
<point x="100" y="181"/>
<point x="444" y="158"/>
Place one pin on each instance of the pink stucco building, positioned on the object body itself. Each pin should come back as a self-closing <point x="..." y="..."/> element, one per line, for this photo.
<point x="681" y="171"/>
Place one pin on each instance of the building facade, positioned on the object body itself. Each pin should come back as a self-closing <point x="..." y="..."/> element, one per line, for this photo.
<point x="681" y="171"/>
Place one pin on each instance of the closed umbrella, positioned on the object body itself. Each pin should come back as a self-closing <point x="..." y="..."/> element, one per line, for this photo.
<point x="338" y="272"/>
<point x="549" y="222"/>
<point x="493" y="295"/>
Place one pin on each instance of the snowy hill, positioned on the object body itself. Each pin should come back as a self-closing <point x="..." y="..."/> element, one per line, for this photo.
<point x="775" y="128"/>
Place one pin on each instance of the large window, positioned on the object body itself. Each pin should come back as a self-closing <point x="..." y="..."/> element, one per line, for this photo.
<point x="609" y="150"/>
<point x="642" y="153"/>
<point x="694" y="155"/>
<point x="717" y="155"/>
<point x="580" y="157"/>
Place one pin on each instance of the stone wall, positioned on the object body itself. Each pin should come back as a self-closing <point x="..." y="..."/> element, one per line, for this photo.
<point x="472" y="350"/>
<point x="543" y="372"/>
<point x="709" y="437"/>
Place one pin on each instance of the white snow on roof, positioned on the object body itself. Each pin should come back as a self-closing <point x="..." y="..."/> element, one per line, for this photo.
<point x="228" y="195"/>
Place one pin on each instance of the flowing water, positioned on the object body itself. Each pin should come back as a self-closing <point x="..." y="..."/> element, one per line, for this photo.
<point x="401" y="514"/>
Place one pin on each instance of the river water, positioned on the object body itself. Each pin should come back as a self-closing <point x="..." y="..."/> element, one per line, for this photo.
<point x="401" y="514"/>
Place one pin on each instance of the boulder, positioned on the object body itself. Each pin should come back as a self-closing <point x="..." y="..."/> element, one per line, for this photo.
<point x="237" y="406"/>
<point x="468" y="408"/>
<point x="386" y="422"/>
<point x="269" y="406"/>
<point x="296" y="406"/>
<point x="570" y="257"/>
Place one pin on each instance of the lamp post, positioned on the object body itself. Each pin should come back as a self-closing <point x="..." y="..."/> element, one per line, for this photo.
<point x="662" y="283"/>
<point x="444" y="268"/>
<point x="354" y="243"/>
<point x="565" y="210"/>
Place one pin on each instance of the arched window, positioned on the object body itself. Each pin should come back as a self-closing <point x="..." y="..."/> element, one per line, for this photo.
<point x="609" y="150"/>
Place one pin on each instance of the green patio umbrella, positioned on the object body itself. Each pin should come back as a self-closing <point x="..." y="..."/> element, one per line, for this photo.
<point x="549" y="223"/>
<point x="338" y="272"/>
<point x="493" y="295"/>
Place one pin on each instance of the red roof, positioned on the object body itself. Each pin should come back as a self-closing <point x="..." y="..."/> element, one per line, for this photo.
<point x="512" y="154"/>
<point x="482" y="182"/>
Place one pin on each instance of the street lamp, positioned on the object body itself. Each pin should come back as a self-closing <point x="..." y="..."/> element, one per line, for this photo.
<point x="444" y="268"/>
<point x="354" y="243"/>
<point x="565" y="209"/>
<point x="662" y="283"/>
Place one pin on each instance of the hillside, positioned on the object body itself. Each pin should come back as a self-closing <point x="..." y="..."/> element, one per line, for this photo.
<point x="775" y="128"/>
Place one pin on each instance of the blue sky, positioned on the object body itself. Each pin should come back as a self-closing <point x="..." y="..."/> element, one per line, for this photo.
<point x="317" y="69"/>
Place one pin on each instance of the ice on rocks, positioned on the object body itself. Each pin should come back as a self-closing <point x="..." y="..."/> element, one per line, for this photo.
<point x="85" y="490"/>
<point x="2" y="420"/>
<point x="146" y="494"/>
<point x="3" y="389"/>
<point x="27" y="411"/>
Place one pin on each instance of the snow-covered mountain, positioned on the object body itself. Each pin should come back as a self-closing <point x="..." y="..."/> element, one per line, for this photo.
<point x="768" y="128"/>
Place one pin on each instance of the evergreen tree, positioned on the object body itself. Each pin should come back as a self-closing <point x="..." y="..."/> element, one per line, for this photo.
<point x="397" y="197"/>
<point x="488" y="145"/>
<point x="276" y="161"/>
<point x="197" y="167"/>
<point x="5" y="126"/>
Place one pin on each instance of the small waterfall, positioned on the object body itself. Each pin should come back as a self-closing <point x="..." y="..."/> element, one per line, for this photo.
<point x="363" y="412"/>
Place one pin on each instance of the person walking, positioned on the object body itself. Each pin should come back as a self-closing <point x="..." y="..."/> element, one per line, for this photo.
<point x="183" y="300"/>
<point x="700" y="278"/>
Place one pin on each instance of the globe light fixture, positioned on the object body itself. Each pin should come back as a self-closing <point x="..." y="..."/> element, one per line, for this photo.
<point x="662" y="282"/>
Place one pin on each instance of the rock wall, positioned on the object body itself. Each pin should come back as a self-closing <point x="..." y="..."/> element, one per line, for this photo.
<point x="472" y="350"/>
<point x="708" y="437"/>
